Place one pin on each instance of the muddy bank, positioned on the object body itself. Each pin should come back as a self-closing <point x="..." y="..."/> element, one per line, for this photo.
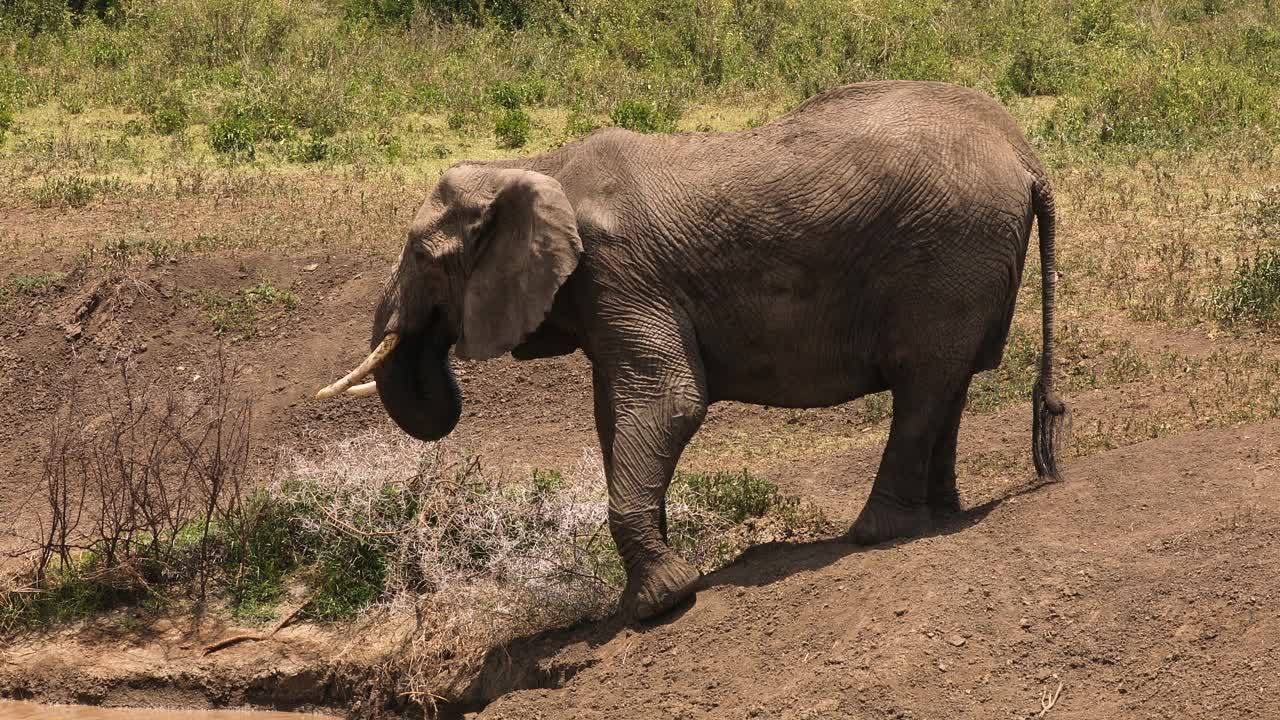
<point x="13" y="710"/>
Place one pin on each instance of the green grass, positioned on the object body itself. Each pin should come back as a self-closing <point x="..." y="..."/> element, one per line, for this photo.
<point x="309" y="81"/>
<point x="69" y="592"/>
<point x="29" y="283"/>
<point x="237" y="316"/>
<point x="733" y="496"/>
<point x="72" y="191"/>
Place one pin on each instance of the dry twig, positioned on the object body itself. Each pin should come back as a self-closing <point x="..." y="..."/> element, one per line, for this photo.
<point x="1047" y="700"/>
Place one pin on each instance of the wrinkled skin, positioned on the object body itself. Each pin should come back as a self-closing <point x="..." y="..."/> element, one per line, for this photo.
<point x="871" y="239"/>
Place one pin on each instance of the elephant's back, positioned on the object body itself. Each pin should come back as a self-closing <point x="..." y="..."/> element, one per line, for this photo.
<point x="931" y="113"/>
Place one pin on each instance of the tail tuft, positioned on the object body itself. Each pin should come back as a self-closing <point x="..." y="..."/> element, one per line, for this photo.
<point x="1049" y="418"/>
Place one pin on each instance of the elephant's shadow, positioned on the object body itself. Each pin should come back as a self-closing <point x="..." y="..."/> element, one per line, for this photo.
<point x="532" y="661"/>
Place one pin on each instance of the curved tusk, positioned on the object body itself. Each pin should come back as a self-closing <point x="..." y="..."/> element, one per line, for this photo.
<point x="369" y="388"/>
<point x="375" y="359"/>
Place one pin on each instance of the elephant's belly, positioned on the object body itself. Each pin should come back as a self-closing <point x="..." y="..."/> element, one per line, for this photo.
<point x="789" y="377"/>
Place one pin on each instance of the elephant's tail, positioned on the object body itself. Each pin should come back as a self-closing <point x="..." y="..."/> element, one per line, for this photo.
<point x="1048" y="412"/>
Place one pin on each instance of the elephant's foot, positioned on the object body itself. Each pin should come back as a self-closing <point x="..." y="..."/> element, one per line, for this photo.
<point x="658" y="586"/>
<point x="944" y="499"/>
<point x="882" y="520"/>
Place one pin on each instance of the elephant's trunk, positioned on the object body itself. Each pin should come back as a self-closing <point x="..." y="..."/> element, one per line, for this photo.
<point x="416" y="383"/>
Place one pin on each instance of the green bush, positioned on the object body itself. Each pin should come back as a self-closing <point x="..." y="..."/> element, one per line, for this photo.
<point x="233" y="134"/>
<point x="512" y="128"/>
<point x="170" y="113"/>
<point x="506" y="95"/>
<point x="33" y="17"/>
<point x="7" y="123"/>
<point x="1254" y="292"/>
<point x="509" y="14"/>
<point x="240" y="126"/>
<point x="310" y="149"/>
<point x="388" y="12"/>
<point x="644" y="116"/>
<point x="215" y="33"/>
<point x="1038" y="67"/>
<point x="1162" y="100"/>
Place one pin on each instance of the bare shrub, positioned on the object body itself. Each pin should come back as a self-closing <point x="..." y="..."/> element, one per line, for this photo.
<point x="134" y="479"/>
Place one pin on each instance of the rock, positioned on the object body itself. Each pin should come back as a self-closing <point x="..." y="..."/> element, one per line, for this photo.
<point x="1024" y="623"/>
<point x="900" y="612"/>
<point x="311" y="268"/>
<point x="956" y="640"/>
<point x="73" y="331"/>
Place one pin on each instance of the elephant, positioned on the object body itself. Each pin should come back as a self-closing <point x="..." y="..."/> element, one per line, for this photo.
<point x="873" y="238"/>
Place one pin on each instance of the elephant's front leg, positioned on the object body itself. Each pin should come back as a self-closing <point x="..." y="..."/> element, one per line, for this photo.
<point x="652" y="421"/>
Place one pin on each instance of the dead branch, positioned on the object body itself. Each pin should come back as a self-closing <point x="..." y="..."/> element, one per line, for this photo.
<point x="228" y="642"/>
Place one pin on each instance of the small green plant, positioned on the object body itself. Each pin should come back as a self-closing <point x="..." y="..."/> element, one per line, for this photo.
<point x="32" y="283"/>
<point x="75" y="191"/>
<point x="238" y="315"/>
<point x="71" y="102"/>
<point x="456" y="120"/>
<point x="512" y="128"/>
<point x="876" y="407"/>
<point x="546" y="482"/>
<point x="733" y="496"/>
<point x="1254" y="292"/>
<point x="644" y="116"/>
<point x="348" y="575"/>
<point x="233" y="134"/>
<point x="75" y="589"/>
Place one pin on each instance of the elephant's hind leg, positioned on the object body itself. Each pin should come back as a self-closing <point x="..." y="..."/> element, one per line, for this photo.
<point x="899" y="502"/>
<point x="943" y="497"/>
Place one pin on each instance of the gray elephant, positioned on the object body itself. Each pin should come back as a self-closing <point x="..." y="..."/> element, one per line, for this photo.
<point x="872" y="238"/>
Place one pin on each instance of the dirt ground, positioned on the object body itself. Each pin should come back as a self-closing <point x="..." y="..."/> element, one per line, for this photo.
<point x="1144" y="586"/>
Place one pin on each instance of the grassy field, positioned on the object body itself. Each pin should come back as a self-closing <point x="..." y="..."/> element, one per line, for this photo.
<point x="134" y="133"/>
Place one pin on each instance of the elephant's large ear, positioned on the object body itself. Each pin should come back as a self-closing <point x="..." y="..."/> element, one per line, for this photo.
<point x="529" y="245"/>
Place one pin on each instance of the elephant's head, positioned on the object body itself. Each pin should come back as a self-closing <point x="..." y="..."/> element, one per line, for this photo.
<point x="485" y="256"/>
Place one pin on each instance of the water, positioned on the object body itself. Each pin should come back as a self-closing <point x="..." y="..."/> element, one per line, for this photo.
<point x="31" y="711"/>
